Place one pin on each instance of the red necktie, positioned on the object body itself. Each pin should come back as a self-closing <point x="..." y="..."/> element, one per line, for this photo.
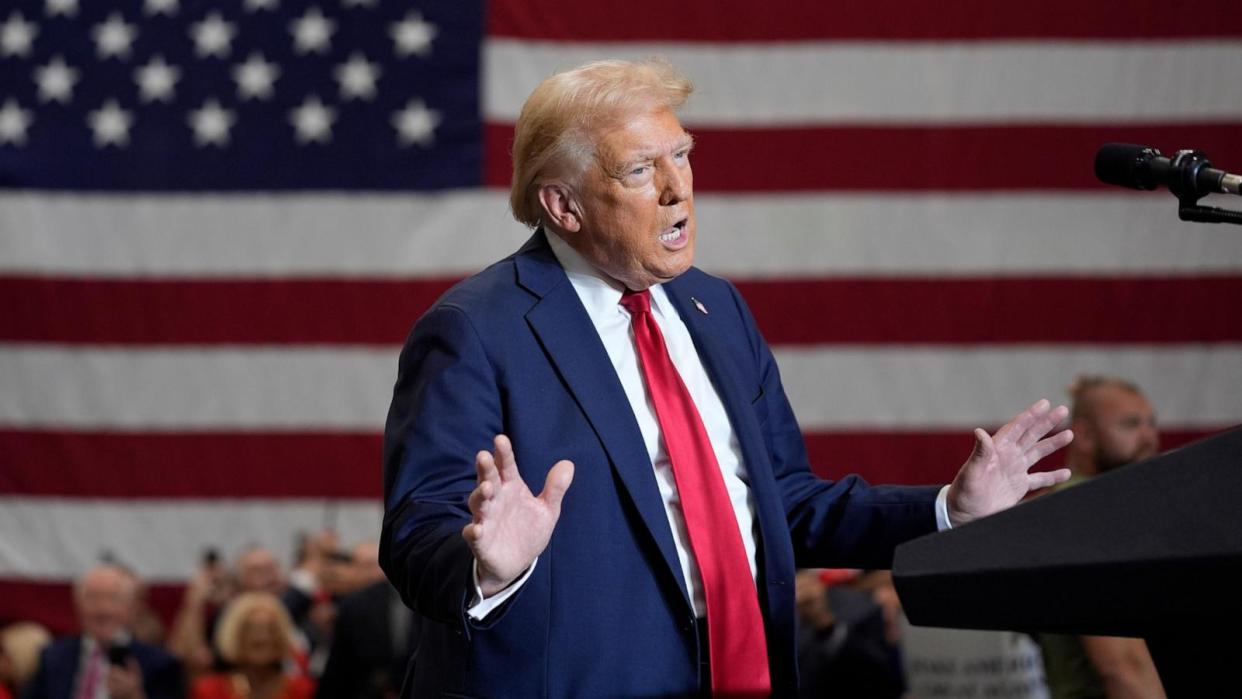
<point x="90" y="679"/>
<point x="736" y="638"/>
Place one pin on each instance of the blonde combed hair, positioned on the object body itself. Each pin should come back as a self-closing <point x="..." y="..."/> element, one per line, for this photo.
<point x="553" y="131"/>
<point x="228" y="631"/>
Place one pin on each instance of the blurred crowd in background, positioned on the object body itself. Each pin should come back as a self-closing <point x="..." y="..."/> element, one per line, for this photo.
<point x="330" y="625"/>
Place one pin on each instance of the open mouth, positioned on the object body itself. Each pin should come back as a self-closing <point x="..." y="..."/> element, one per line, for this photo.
<point x="676" y="234"/>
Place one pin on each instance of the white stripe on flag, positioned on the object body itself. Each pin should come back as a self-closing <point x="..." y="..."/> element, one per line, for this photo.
<point x="163" y="540"/>
<point x="879" y="387"/>
<point x="875" y="82"/>
<point x="269" y="387"/>
<point x="829" y="386"/>
<point x="450" y="235"/>
<point x="320" y="234"/>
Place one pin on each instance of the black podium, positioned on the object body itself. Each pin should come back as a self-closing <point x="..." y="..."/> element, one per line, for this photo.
<point x="1152" y="550"/>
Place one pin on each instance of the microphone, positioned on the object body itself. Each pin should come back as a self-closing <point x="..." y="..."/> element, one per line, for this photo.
<point x="1188" y="173"/>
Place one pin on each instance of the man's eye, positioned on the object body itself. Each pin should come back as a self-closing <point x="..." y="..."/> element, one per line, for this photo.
<point x="682" y="154"/>
<point x="638" y="171"/>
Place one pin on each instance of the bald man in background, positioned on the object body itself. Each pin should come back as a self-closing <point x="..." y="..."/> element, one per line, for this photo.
<point x="1113" y="426"/>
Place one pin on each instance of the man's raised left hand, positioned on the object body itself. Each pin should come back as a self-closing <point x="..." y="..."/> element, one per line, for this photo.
<point x="997" y="474"/>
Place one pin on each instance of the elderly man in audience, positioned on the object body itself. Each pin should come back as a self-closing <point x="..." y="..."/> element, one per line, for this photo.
<point x="104" y="662"/>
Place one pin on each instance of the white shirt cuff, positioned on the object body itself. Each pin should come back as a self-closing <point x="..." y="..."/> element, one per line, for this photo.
<point x="480" y="607"/>
<point x="942" y="510"/>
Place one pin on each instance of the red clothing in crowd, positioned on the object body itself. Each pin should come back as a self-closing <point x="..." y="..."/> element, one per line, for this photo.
<point x="223" y="686"/>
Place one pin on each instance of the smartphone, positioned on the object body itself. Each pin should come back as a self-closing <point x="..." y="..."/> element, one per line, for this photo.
<point x="119" y="654"/>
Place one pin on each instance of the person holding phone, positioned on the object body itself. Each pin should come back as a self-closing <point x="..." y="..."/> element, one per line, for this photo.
<point x="104" y="661"/>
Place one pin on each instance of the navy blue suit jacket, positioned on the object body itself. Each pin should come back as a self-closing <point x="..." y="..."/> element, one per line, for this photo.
<point x="605" y="613"/>
<point x="58" y="669"/>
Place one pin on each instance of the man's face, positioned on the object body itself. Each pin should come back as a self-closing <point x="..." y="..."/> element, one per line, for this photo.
<point x="258" y="571"/>
<point x="1122" y="427"/>
<point x="105" y="604"/>
<point x="637" y="201"/>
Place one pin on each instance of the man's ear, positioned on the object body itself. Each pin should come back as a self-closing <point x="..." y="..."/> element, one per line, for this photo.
<point x="560" y="209"/>
<point x="1084" y="434"/>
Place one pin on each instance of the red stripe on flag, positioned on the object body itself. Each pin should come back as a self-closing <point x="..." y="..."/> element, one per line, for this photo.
<point x="1070" y="310"/>
<point x="50" y="603"/>
<point x="235" y="311"/>
<point x="923" y="158"/>
<point x="126" y="465"/>
<point x="260" y="465"/>
<point x="703" y="20"/>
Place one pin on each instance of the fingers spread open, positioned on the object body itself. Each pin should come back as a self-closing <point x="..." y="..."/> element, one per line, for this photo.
<point x="1042" y="425"/>
<point x="1045" y="479"/>
<point x="1015" y="428"/>
<point x="1044" y="447"/>
<point x="1035" y="416"/>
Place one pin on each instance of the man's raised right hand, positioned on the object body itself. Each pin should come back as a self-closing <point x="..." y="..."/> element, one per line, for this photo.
<point x="511" y="526"/>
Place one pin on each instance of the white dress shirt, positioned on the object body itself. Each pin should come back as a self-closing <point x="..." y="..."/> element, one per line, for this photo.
<point x="89" y="661"/>
<point x="601" y="296"/>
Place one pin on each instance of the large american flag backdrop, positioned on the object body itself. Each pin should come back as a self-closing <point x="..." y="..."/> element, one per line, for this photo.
<point x="218" y="221"/>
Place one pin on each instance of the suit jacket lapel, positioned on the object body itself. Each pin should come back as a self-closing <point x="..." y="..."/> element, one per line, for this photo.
<point x="574" y="348"/>
<point x="734" y="390"/>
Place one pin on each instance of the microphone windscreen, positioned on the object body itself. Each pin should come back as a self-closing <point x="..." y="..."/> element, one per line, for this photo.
<point x="1123" y="164"/>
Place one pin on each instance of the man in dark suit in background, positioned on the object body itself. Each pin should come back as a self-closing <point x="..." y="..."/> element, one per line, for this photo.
<point x="370" y="645"/>
<point x="668" y="567"/>
<point x="104" y="661"/>
<point x="372" y="636"/>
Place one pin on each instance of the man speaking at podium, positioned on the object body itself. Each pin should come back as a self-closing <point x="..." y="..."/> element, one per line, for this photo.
<point x="598" y="364"/>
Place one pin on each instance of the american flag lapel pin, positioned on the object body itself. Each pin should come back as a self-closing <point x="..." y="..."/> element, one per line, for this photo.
<point x="699" y="305"/>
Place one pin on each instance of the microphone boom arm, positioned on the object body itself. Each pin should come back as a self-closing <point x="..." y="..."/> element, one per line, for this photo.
<point x="1208" y="214"/>
<point x="1190" y="166"/>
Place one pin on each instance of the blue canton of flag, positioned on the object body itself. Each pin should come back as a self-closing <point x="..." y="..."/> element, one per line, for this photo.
<point x="239" y="95"/>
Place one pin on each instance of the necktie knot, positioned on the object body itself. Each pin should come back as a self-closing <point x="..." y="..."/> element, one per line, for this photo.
<point x="636" y="301"/>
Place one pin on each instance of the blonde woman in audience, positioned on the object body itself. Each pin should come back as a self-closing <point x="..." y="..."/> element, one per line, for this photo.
<point x="255" y="638"/>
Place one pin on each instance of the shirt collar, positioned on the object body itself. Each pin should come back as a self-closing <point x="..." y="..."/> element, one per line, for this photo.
<point x="599" y="292"/>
